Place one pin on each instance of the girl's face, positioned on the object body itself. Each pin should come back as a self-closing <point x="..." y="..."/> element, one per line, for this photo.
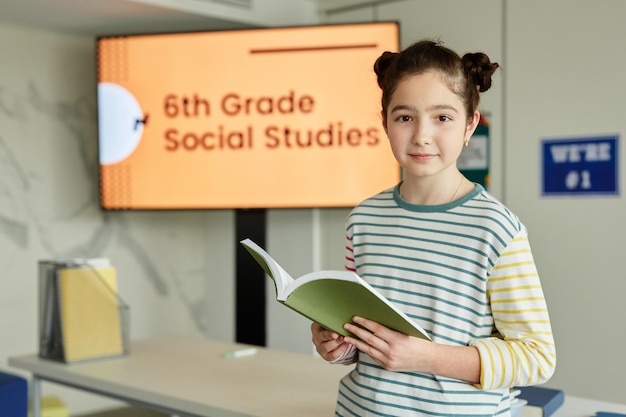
<point x="427" y="125"/>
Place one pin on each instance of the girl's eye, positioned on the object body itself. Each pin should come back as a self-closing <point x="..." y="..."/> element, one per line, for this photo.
<point x="403" y="118"/>
<point x="444" y="118"/>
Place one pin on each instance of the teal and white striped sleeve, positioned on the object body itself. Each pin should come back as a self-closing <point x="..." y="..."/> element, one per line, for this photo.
<point x="522" y="352"/>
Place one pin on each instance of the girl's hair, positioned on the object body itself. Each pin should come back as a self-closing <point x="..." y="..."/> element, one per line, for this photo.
<point x="466" y="77"/>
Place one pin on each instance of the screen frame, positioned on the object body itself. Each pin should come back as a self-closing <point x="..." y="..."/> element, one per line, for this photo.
<point x="376" y="101"/>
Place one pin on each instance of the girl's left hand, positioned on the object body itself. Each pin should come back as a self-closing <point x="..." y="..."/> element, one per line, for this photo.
<point x="392" y="350"/>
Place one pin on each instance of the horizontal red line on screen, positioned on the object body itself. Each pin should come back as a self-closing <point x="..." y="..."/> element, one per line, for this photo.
<point x="312" y="48"/>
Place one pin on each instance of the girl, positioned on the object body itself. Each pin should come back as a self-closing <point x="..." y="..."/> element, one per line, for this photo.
<point x="447" y="253"/>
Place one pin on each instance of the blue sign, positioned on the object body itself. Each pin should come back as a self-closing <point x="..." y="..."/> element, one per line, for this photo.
<point x="580" y="166"/>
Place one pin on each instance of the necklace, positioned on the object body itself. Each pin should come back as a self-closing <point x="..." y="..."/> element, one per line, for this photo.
<point x="402" y="192"/>
<point x="457" y="190"/>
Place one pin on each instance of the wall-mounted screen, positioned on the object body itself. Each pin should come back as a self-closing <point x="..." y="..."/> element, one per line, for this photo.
<point x="258" y="118"/>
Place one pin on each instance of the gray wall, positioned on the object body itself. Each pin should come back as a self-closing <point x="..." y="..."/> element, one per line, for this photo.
<point x="565" y="78"/>
<point x="176" y="268"/>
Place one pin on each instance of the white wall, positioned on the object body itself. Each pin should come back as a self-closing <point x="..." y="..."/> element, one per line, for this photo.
<point x="176" y="269"/>
<point x="565" y="78"/>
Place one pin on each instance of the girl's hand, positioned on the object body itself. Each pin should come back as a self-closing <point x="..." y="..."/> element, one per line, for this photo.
<point x="392" y="350"/>
<point x="330" y="345"/>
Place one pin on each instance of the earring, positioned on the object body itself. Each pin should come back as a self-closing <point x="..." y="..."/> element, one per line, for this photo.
<point x="466" y="144"/>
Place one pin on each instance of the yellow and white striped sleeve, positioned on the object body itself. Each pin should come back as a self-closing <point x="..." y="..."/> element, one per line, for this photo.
<point x="522" y="351"/>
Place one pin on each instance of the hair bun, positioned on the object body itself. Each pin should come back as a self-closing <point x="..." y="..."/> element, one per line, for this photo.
<point x="479" y="69"/>
<point x="382" y="64"/>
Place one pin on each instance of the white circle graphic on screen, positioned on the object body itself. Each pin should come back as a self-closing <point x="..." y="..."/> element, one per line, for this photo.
<point x="120" y="123"/>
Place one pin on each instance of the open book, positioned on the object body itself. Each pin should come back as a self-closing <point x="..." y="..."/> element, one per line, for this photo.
<point x="332" y="298"/>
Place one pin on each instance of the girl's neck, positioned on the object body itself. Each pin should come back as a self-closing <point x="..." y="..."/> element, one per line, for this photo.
<point x="430" y="192"/>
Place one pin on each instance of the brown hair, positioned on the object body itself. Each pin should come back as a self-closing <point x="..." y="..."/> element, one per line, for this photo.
<point x="466" y="77"/>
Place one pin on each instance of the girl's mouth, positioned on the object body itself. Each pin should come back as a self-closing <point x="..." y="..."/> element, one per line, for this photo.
<point x="422" y="156"/>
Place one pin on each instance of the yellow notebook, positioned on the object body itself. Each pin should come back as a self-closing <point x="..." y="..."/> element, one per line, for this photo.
<point x="91" y="324"/>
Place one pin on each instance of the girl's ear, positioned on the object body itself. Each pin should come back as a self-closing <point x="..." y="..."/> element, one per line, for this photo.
<point x="384" y="123"/>
<point x="472" y="124"/>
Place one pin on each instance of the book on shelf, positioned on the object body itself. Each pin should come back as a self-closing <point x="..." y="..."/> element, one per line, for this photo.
<point x="81" y="314"/>
<point x="332" y="297"/>
<point x="540" y="401"/>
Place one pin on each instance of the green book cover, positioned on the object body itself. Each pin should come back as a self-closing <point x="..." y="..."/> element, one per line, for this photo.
<point x="332" y="298"/>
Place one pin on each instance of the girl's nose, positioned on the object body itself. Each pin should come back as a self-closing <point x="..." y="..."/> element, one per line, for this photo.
<point x="422" y="135"/>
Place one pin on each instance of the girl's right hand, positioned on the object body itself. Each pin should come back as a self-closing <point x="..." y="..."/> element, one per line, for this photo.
<point x="329" y="345"/>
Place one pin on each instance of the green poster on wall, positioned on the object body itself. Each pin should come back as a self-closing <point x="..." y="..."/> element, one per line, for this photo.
<point x="474" y="160"/>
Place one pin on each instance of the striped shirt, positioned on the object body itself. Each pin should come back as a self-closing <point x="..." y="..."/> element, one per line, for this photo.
<point x="464" y="271"/>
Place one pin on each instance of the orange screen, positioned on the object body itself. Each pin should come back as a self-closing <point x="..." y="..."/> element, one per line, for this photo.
<point x="260" y="118"/>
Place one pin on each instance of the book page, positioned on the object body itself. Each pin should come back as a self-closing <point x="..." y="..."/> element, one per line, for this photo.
<point x="281" y="278"/>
